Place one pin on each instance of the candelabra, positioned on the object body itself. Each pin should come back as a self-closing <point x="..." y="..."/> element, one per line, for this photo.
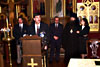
<point x="8" y="36"/>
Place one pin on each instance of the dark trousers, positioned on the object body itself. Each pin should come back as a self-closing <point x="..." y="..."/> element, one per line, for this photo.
<point x="82" y="46"/>
<point x="55" y="45"/>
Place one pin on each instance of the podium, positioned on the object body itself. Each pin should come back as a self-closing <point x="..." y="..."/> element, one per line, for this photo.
<point x="1" y="55"/>
<point x="1" y="60"/>
<point x="31" y="48"/>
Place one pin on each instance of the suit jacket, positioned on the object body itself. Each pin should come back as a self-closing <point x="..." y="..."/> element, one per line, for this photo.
<point x="17" y="31"/>
<point x="85" y="31"/>
<point x="43" y="28"/>
<point x="56" y="32"/>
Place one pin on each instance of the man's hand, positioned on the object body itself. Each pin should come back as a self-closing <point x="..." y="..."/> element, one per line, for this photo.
<point x="78" y="32"/>
<point x="56" y="38"/>
<point x="45" y="47"/>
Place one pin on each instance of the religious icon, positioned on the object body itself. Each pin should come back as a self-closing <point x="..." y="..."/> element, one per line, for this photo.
<point x="42" y="7"/>
<point x="95" y="19"/>
<point x="39" y="6"/>
<point x="91" y="19"/>
<point x="82" y="8"/>
<point x="36" y="6"/>
<point x="93" y="7"/>
<point x="57" y="8"/>
<point x="69" y="8"/>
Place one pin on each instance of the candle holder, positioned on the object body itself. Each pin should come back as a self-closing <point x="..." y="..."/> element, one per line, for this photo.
<point x="8" y="36"/>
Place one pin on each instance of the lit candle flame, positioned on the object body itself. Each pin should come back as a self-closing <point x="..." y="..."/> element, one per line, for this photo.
<point x="7" y="22"/>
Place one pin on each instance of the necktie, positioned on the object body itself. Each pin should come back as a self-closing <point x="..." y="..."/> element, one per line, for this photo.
<point x="56" y="26"/>
<point x="20" y="29"/>
<point x="37" y="29"/>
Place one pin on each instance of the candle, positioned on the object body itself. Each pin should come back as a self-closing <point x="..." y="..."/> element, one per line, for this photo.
<point x="4" y="33"/>
<point x="11" y="32"/>
<point x="7" y="22"/>
<point x="17" y="11"/>
<point x="0" y="8"/>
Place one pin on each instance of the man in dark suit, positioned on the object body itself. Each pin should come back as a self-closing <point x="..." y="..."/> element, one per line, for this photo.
<point x="56" y="30"/>
<point x="19" y="31"/>
<point x="42" y="30"/>
<point x="37" y="27"/>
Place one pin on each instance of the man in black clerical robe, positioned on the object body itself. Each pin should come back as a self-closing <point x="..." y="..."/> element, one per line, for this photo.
<point x="70" y="39"/>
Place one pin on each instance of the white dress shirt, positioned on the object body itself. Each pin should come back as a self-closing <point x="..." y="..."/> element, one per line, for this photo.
<point x="21" y="25"/>
<point x="83" y="27"/>
<point x="56" y="25"/>
<point x="37" y="25"/>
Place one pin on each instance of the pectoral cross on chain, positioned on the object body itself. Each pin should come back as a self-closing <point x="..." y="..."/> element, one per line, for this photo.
<point x="71" y="31"/>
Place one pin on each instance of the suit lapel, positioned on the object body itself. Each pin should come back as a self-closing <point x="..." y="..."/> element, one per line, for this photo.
<point x="58" y="25"/>
<point x="40" y="27"/>
<point x="19" y="29"/>
<point x="34" y="28"/>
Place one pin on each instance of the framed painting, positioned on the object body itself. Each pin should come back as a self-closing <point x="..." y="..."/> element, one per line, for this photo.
<point x="39" y="6"/>
<point x="70" y="6"/>
<point x="57" y="8"/>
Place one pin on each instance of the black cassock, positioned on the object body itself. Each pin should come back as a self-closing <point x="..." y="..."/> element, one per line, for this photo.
<point x="71" y="41"/>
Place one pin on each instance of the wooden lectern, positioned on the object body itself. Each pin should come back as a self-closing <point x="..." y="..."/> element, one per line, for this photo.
<point x="1" y="55"/>
<point x="1" y="60"/>
<point x="31" y="47"/>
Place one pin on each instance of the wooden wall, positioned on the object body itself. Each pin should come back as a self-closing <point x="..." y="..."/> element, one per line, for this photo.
<point x="47" y="19"/>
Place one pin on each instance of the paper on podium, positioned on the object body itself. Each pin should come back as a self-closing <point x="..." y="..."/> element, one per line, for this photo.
<point x="74" y="62"/>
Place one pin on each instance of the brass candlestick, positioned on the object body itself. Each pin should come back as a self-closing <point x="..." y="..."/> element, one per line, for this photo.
<point x="8" y="37"/>
<point x="12" y="37"/>
<point x="10" y="54"/>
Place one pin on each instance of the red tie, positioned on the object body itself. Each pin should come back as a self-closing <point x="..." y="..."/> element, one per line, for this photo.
<point x="37" y="29"/>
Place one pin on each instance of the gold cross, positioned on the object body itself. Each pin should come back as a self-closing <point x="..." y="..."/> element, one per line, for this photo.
<point x="32" y="64"/>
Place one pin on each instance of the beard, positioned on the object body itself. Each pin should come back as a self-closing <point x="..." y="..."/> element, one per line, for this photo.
<point x="72" y="22"/>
